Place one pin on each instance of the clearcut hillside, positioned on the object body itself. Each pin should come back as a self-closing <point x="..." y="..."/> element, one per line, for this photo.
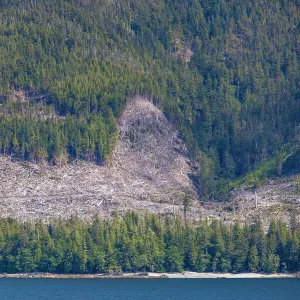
<point x="224" y="73"/>
<point x="149" y="169"/>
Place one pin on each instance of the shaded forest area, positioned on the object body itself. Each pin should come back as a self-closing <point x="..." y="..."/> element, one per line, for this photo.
<point x="146" y="243"/>
<point x="225" y="73"/>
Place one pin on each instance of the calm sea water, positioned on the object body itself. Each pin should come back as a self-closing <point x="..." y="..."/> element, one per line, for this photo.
<point x="164" y="289"/>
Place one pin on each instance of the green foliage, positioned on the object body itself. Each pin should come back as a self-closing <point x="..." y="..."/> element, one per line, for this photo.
<point x="236" y="100"/>
<point x="253" y="259"/>
<point x="136" y="243"/>
<point x="284" y="162"/>
<point x="272" y="264"/>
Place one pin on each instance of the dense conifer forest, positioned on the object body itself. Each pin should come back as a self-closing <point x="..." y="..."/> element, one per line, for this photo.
<point x="225" y="73"/>
<point x="136" y="243"/>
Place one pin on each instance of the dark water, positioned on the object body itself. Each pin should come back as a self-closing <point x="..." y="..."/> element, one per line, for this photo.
<point x="164" y="289"/>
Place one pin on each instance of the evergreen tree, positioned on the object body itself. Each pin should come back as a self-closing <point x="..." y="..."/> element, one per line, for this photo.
<point x="253" y="260"/>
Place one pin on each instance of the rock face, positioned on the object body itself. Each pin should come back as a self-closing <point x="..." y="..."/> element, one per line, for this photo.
<point x="148" y="169"/>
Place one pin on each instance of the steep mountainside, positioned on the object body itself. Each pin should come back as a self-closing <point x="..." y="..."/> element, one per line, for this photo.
<point x="225" y="74"/>
<point x="149" y="168"/>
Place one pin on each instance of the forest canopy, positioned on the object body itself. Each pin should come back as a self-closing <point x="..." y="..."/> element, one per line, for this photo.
<point x="226" y="73"/>
<point x="148" y="243"/>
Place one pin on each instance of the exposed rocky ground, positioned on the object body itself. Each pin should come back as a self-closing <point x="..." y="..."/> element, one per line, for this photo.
<point x="149" y="169"/>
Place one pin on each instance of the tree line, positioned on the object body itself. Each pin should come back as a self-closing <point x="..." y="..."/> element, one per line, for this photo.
<point x="136" y="243"/>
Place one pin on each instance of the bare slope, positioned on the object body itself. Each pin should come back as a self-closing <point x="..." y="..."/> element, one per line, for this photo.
<point x="149" y="169"/>
<point x="278" y="198"/>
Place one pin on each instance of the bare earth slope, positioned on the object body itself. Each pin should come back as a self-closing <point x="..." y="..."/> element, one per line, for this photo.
<point x="148" y="169"/>
<point x="276" y="198"/>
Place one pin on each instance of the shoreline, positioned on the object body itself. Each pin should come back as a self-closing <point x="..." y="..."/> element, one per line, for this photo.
<point x="150" y="275"/>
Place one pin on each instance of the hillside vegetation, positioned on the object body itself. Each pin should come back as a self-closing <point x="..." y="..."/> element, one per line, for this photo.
<point x="225" y="73"/>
